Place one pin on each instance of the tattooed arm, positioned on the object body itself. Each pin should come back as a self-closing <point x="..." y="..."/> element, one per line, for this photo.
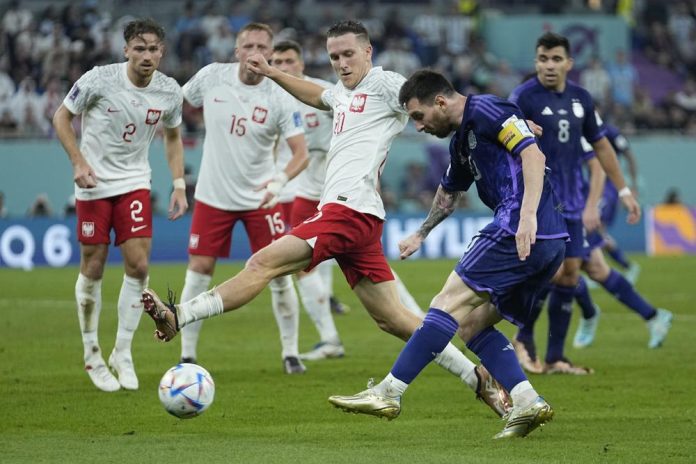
<point x="443" y="205"/>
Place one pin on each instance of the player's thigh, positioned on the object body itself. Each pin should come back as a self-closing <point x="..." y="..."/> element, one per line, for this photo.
<point x="131" y="216"/>
<point x="287" y="255"/>
<point x="381" y="300"/>
<point x="136" y="256"/>
<point x="93" y="260"/>
<point x="596" y="266"/>
<point x="457" y="298"/>
<point x="569" y="272"/>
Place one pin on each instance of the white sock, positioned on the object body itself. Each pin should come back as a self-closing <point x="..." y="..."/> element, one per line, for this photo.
<point x="286" y="309"/>
<point x="315" y="299"/>
<point x="523" y="394"/>
<point x="406" y="297"/>
<point x="130" y="308"/>
<point x="391" y="387"/>
<point x="88" y="297"/>
<point x="195" y="283"/>
<point x="325" y="269"/>
<point x="203" y="306"/>
<point x="454" y="361"/>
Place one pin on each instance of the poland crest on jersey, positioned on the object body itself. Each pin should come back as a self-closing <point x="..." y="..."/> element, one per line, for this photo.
<point x="259" y="115"/>
<point x="312" y="120"/>
<point x="153" y="117"/>
<point x="578" y="110"/>
<point x="358" y="103"/>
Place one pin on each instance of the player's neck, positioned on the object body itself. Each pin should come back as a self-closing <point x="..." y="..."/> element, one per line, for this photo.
<point x="458" y="107"/>
<point x="249" y="78"/>
<point x="138" y="80"/>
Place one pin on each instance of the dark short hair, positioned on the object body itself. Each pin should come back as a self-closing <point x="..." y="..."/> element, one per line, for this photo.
<point x="257" y="27"/>
<point x="348" y="26"/>
<point x="425" y="85"/>
<point x="285" y="45"/>
<point x="138" y="27"/>
<point x="550" y="40"/>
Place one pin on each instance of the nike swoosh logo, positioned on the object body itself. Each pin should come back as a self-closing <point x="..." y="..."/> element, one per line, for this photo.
<point x="217" y="100"/>
<point x="135" y="229"/>
<point x="111" y="110"/>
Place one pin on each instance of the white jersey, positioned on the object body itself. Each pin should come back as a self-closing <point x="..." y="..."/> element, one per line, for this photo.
<point x="317" y="125"/>
<point x="365" y="121"/>
<point x="118" y="123"/>
<point x="242" y="123"/>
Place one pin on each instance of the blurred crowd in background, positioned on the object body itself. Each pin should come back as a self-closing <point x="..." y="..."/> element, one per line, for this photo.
<point x="47" y="45"/>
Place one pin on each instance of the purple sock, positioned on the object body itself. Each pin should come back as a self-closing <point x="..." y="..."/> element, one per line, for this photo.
<point x="560" y="310"/>
<point x="619" y="257"/>
<point x="617" y="285"/>
<point x="497" y="355"/>
<point x="426" y="342"/>
<point x="526" y="332"/>
<point x="582" y="296"/>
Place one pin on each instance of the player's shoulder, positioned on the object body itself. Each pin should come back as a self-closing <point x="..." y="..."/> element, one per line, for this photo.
<point x="491" y="107"/>
<point x="164" y="83"/>
<point x="526" y="88"/>
<point x="382" y="77"/>
<point x="216" y="71"/>
<point x="108" y="73"/>
<point x="578" y="91"/>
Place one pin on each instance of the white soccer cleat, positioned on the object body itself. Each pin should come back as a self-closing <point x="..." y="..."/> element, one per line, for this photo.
<point x="293" y="365"/>
<point x="587" y="329"/>
<point x="123" y="366"/>
<point x="324" y="350"/>
<point x="633" y="273"/>
<point x="659" y="327"/>
<point x="101" y="376"/>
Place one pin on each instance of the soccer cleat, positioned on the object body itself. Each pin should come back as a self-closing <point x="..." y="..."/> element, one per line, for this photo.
<point x="564" y="366"/>
<point x="526" y="355"/>
<point x="123" y="366"/>
<point x="659" y="327"/>
<point x="585" y="334"/>
<point x="101" y="376"/>
<point x="369" y="402"/>
<point x="633" y="273"/>
<point x="337" y="307"/>
<point x="491" y="392"/>
<point x="324" y="350"/>
<point x="293" y="365"/>
<point x="522" y="421"/>
<point x="163" y="314"/>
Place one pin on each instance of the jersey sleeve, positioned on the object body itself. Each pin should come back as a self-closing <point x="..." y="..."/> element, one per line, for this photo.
<point x="173" y="117"/>
<point x="194" y="90"/>
<point x="327" y="96"/>
<point x="458" y="176"/>
<point x="592" y="128"/>
<point x="509" y="127"/>
<point x="391" y="84"/>
<point x="85" y="92"/>
<point x="290" y="120"/>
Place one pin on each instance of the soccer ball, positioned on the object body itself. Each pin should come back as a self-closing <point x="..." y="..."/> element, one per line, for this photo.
<point x="186" y="390"/>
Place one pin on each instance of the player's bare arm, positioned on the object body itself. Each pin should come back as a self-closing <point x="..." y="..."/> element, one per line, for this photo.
<point x="632" y="171"/>
<point x="83" y="174"/>
<point x="299" y="161"/>
<point x="590" y="215"/>
<point x="306" y="91"/>
<point x="174" y="150"/>
<point x="607" y="157"/>
<point x="444" y="204"/>
<point x="533" y="165"/>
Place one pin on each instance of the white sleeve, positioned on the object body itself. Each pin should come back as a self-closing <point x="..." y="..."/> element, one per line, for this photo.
<point x="85" y="92"/>
<point x="194" y="90"/>
<point x="290" y="117"/>
<point x="327" y="96"/>
<point x="390" y="87"/>
<point x="173" y="117"/>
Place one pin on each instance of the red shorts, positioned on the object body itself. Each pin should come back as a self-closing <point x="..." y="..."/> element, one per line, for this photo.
<point x="302" y="209"/>
<point x="287" y="213"/>
<point x="211" y="229"/>
<point x="129" y="214"/>
<point x="353" y="238"/>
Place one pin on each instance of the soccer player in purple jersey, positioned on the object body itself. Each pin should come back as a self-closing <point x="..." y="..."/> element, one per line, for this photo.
<point x="505" y="265"/>
<point x="566" y="113"/>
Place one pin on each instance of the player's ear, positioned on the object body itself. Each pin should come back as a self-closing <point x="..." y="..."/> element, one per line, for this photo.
<point x="571" y="62"/>
<point x="441" y="102"/>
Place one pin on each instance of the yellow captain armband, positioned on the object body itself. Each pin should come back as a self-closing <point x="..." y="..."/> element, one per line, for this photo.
<point x="513" y="132"/>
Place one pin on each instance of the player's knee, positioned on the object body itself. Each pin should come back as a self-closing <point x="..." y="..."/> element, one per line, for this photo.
<point x="138" y="269"/>
<point x="259" y="265"/>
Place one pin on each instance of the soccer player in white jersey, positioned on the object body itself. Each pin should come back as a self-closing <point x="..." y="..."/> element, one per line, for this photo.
<point x="348" y="226"/>
<point x="121" y="105"/>
<point x="244" y="114"/>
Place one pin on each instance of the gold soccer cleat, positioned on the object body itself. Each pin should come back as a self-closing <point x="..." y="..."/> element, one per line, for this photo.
<point x="369" y="402"/>
<point x="521" y="422"/>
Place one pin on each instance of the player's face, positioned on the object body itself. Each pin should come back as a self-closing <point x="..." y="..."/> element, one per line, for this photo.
<point x="251" y="42"/>
<point x="288" y="62"/>
<point x="552" y="66"/>
<point x="144" y="53"/>
<point x="351" y="58"/>
<point x="431" y="119"/>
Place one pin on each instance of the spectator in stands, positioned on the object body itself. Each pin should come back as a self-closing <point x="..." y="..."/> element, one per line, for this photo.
<point x="624" y="79"/>
<point x="70" y="209"/>
<point x="595" y="79"/>
<point x="41" y="207"/>
<point x="3" y="208"/>
<point x="398" y="57"/>
<point x="26" y="105"/>
<point x="504" y="80"/>
<point x="221" y="43"/>
<point x="686" y="97"/>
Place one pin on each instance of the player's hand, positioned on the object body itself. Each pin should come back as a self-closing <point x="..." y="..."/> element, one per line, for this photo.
<point x="272" y="190"/>
<point x="257" y="63"/>
<point x="591" y="219"/>
<point x="177" y="204"/>
<point x="526" y="235"/>
<point x="84" y="175"/>
<point x="632" y="207"/>
<point x="536" y="129"/>
<point x="409" y="245"/>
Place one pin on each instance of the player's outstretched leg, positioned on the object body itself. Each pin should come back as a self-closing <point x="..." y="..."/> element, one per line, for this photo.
<point x="522" y="421"/>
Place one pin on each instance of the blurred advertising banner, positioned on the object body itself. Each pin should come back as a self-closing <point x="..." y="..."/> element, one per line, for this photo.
<point x="671" y="230"/>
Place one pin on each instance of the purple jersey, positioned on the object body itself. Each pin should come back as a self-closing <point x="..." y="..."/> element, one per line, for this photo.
<point x="485" y="149"/>
<point x="565" y="117"/>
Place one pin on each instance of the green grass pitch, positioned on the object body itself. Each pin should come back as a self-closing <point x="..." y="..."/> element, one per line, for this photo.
<point x="638" y="407"/>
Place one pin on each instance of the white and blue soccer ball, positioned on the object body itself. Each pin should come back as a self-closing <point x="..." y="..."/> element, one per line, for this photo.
<point x="186" y="390"/>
